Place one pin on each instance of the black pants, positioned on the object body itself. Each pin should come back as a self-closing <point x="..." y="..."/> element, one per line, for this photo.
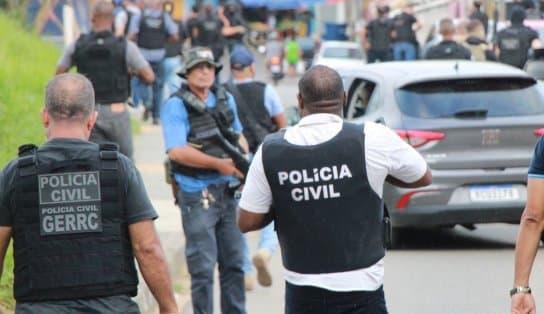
<point x="313" y="300"/>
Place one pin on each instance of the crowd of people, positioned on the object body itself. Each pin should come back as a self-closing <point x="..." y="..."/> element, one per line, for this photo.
<point x="388" y="38"/>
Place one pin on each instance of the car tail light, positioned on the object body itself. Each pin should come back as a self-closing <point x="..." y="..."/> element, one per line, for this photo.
<point x="539" y="132"/>
<point x="406" y="197"/>
<point x="420" y="138"/>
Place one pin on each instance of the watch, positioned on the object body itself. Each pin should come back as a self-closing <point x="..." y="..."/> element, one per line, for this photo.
<point x="520" y="289"/>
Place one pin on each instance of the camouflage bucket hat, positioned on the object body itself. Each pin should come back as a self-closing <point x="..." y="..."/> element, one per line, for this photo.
<point x="198" y="55"/>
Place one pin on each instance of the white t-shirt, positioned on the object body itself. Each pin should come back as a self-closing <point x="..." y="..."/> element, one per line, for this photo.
<point x="386" y="154"/>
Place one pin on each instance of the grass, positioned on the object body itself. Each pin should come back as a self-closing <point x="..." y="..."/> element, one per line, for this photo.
<point x="27" y="64"/>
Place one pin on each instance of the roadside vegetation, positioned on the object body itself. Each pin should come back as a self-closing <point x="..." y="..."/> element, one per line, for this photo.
<point x="28" y="63"/>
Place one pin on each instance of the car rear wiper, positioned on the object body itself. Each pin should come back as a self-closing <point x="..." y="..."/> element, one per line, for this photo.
<point x="470" y="113"/>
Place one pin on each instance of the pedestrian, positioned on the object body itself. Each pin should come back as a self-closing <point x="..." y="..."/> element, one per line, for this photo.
<point x="191" y="24"/>
<point x="261" y="113"/>
<point x="325" y="178"/>
<point x="515" y="41"/>
<point x="78" y="214"/>
<point x="480" y="15"/>
<point x="234" y="25"/>
<point x="209" y="32"/>
<point x="123" y="13"/>
<point x="151" y="30"/>
<point x="448" y="48"/>
<point x="405" y="25"/>
<point x="292" y="52"/>
<point x="195" y="121"/>
<point x="476" y="43"/>
<point x="378" y="32"/>
<point x="529" y="236"/>
<point x="107" y="61"/>
<point x="174" y="59"/>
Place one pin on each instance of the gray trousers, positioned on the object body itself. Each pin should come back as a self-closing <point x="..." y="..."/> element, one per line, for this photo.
<point x="113" y="126"/>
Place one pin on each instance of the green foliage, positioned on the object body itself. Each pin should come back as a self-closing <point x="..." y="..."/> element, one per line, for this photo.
<point x="27" y="64"/>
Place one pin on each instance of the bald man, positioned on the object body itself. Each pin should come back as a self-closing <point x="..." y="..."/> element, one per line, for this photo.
<point x="78" y="214"/>
<point x="107" y="61"/>
<point x="318" y="174"/>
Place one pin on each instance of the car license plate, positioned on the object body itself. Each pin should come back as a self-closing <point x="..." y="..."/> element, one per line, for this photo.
<point x="493" y="193"/>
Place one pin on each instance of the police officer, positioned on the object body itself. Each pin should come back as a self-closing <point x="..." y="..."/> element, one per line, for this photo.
<point x="107" y="61"/>
<point x="261" y="113"/>
<point x="325" y="179"/>
<point x="196" y="123"/>
<point x="78" y="214"/>
<point x="378" y="33"/>
<point x="151" y="30"/>
<point x="448" y="48"/>
<point x="515" y="41"/>
<point x="207" y="32"/>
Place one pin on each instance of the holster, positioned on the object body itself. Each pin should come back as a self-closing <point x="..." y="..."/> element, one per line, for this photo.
<point x="169" y="178"/>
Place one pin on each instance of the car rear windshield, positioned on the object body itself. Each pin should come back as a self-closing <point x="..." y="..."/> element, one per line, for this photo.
<point x="488" y="97"/>
<point x="343" y="52"/>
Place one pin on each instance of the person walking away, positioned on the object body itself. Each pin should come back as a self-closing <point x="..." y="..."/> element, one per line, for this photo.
<point x="334" y="263"/>
<point x="515" y="41"/>
<point x="194" y="121"/>
<point x="78" y="214"/>
<point x="378" y="32"/>
<point x="448" y="48"/>
<point x="261" y="113"/>
<point x="479" y="15"/>
<point x="476" y="43"/>
<point x="405" y="26"/>
<point x="151" y="30"/>
<point x="173" y="59"/>
<point x="107" y="62"/>
<point x="529" y="235"/>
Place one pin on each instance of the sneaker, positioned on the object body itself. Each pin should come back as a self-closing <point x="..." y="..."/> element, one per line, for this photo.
<point x="260" y="261"/>
<point x="248" y="282"/>
<point x="156" y="121"/>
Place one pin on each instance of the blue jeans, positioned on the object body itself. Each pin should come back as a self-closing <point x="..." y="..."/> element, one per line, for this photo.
<point x="267" y="240"/>
<point x="313" y="300"/>
<point x="151" y="97"/>
<point x="172" y="82"/>
<point x="212" y="236"/>
<point x="404" y="51"/>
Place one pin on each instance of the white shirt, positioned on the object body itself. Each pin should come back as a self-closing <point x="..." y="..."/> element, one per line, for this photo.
<point x="386" y="154"/>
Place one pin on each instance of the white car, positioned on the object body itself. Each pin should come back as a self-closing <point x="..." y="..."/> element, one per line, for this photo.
<point x="340" y="54"/>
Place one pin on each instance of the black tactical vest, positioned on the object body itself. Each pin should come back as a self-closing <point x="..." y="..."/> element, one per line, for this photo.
<point x="71" y="240"/>
<point x="513" y="46"/>
<point x="252" y="112"/>
<point x="152" y="34"/>
<point x="327" y="216"/>
<point x="101" y="57"/>
<point x="204" y="129"/>
<point x="447" y="50"/>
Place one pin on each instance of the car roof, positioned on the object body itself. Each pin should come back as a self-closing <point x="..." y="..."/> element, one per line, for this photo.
<point x="405" y="72"/>
<point x="339" y="43"/>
